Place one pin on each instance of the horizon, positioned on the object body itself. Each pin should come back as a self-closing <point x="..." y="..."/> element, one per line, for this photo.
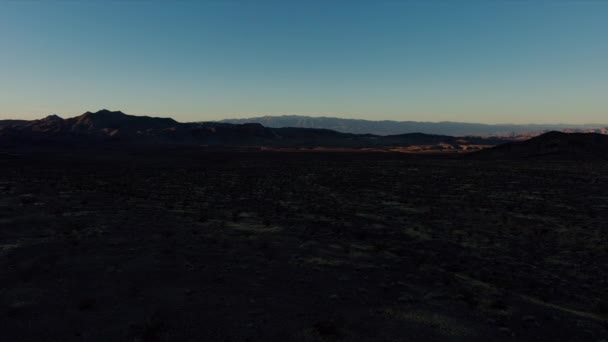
<point x="499" y="63"/>
<point x="595" y="124"/>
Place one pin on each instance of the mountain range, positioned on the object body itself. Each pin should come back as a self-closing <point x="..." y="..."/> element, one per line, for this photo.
<point x="107" y="126"/>
<point x="386" y="127"/>
<point x="115" y="128"/>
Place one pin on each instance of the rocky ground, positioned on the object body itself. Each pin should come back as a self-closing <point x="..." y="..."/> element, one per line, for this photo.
<point x="278" y="246"/>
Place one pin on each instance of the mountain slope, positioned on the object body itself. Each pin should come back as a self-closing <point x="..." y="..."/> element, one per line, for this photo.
<point x="8" y="123"/>
<point x="552" y="145"/>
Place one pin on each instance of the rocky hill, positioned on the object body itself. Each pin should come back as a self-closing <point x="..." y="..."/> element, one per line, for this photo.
<point x="552" y="145"/>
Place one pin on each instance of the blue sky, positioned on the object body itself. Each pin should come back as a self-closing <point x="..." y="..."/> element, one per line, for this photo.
<point x="474" y="61"/>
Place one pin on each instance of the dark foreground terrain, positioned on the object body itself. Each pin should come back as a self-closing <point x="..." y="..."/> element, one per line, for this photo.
<point x="268" y="246"/>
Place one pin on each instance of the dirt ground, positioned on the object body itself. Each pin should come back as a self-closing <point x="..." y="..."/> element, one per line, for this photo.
<point x="193" y="245"/>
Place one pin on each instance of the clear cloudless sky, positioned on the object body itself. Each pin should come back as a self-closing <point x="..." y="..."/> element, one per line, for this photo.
<point x="475" y="61"/>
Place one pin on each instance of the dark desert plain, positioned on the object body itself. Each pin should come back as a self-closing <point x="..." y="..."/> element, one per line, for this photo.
<point x="119" y="242"/>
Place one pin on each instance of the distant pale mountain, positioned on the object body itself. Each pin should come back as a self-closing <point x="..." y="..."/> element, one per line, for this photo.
<point x="552" y="145"/>
<point x="106" y="126"/>
<point x="400" y="127"/>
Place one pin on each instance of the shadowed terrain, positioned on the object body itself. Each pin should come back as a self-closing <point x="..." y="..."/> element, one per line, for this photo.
<point x="552" y="146"/>
<point x="192" y="244"/>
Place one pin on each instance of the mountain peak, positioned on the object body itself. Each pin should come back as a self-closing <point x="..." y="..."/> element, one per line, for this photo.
<point x="105" y="112"/>
<point x="53" y="117"/>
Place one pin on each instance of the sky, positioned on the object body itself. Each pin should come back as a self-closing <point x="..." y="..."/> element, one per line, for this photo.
<point x="469" y="61"/>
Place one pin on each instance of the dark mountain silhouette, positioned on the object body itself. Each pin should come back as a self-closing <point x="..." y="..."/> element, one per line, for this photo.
<point x="118" y="120"/>
<point x="108" y="126"/>
<point x="90" y="128"/>
<point x="552" y="145"/>
<point x="387" y="127"/>
<point x="8" y="123"/>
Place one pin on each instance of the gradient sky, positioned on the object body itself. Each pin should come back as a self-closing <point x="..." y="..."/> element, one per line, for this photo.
<point x="473" y="61"/>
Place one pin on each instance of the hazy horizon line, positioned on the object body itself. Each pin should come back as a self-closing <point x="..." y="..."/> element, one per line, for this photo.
<point x="320" y="116"/>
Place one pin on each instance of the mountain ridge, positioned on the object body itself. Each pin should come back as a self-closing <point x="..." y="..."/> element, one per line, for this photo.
<point x="115" y="126"/>
<point x="391" y="127"/>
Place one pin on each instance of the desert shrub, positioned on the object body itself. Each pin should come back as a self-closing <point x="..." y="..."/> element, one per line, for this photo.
<point x="86" y="304"/>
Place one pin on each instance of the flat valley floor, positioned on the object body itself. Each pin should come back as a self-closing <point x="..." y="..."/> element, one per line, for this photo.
<point x="190" y="245"/>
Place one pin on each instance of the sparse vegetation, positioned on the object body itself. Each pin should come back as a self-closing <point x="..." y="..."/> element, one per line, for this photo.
<point x="301" y="246"/>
